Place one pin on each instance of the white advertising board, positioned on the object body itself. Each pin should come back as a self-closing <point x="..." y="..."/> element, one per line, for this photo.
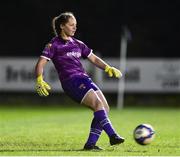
<point x="141" y="75"/>
<point x="146" y="75"/>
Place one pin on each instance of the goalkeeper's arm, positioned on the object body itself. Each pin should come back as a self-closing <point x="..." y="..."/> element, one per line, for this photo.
<point x="41" y="86"/>
<point x="111" y="71"/>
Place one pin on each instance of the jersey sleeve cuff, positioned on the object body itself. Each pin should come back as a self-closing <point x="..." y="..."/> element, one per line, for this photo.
<point x="90" y="53"/>
<point x="45" y="57"/>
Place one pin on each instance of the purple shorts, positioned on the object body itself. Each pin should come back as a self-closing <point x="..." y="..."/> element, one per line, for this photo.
<point x="78" y="86"/>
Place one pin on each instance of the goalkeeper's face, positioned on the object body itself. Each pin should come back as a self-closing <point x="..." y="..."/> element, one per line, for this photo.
<point x="69" y="28"/>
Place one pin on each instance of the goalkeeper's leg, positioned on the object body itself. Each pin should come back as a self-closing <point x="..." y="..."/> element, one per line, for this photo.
<point x="93" y="101"/>
<point x="96" y="129"/>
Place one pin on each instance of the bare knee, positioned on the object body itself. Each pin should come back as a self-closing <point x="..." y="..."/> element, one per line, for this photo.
<point x="93" y="101"/>
<point x="97" y="105"/>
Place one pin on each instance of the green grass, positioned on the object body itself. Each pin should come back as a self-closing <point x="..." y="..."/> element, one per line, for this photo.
<point x="63" y="131"/>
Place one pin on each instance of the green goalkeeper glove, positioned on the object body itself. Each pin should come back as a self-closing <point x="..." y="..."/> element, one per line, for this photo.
<point x="112" y="71"/>
<point x="42" y="87"/>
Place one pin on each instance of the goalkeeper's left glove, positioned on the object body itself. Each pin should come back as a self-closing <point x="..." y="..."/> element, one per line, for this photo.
<point x="112" y="71"/>
<point x="42" y="87"/>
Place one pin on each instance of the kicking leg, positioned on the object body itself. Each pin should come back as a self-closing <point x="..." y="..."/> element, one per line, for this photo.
<point x="114" y="139"/>
<point x="96" y="129"/>
<point x="93" y="101"/>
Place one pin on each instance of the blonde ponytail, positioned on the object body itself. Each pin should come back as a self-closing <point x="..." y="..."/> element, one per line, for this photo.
<point x="54" y="25"/>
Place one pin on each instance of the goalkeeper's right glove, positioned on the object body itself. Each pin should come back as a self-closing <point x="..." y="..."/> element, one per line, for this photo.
<point x="41" y="86"/>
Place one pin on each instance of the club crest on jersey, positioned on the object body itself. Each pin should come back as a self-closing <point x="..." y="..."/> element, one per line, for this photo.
<point x="74" y="54"/>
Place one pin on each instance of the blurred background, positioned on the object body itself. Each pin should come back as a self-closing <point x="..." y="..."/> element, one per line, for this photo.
<point x="152" y="69"/>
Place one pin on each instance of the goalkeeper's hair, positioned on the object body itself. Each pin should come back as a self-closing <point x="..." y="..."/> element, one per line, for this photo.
<point x="61" y="19"/>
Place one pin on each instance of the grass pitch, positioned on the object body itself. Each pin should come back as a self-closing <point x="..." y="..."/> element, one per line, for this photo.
<point x="63" y="131"/>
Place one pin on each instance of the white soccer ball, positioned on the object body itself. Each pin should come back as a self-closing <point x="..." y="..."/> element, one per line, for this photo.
<point x="144" y="134"/>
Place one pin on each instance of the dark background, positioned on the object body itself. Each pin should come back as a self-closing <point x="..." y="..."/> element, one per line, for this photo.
<point x="25" y="28"/>
<point x="155" y="28"/>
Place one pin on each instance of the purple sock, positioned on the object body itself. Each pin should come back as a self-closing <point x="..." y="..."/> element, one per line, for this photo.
<point x="95" y="132"/>
<point x="104" y="121"/>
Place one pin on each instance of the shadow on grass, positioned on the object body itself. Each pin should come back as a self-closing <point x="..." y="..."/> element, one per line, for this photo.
<point x="136" y="151"/>
<point x="41" y="150"/>
<point x="49" y="150"/>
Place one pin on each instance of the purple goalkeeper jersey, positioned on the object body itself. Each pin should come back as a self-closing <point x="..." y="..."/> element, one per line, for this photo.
<point x="66" y="56"/>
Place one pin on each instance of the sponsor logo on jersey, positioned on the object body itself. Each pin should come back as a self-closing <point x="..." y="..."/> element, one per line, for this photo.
<point x="74" y="54"/>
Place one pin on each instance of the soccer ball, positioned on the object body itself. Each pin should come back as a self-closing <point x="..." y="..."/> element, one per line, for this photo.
<point x="144" y="134"/>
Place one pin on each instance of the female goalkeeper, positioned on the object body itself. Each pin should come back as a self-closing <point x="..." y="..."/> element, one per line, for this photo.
<point x="65" y="52"/>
